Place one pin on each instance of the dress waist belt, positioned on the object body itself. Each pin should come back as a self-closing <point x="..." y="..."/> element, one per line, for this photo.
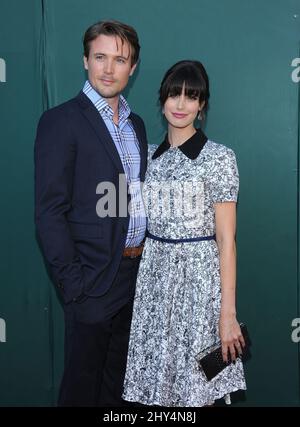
<point x="192" y="239"/>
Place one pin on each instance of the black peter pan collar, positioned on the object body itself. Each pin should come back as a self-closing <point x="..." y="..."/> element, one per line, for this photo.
<point x="191" y="147"/>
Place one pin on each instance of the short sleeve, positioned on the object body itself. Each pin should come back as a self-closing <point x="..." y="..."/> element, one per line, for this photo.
<point x="225" y="178"/>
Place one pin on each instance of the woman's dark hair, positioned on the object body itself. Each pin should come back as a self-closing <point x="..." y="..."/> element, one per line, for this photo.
<point x="190" y="73"/>
<point x="113" y="28"/>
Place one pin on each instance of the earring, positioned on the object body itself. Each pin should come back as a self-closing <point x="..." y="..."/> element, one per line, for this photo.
<point x="200" y="116"/>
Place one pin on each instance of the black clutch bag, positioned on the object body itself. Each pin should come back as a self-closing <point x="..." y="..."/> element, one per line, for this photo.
<point x="212" y="363"/>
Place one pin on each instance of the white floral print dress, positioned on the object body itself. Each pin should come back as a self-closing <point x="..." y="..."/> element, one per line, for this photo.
<point x="178" y="292"/>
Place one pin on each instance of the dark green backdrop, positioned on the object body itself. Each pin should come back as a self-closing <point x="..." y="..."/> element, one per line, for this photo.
<point x="247" y="47"/>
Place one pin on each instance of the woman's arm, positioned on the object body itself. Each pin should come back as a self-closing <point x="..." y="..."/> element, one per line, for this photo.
<point x="229" y="329"/>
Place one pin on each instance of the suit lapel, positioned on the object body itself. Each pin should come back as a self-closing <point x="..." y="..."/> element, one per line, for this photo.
<point x="96" y="121"/>
<point x="143" y="146"/>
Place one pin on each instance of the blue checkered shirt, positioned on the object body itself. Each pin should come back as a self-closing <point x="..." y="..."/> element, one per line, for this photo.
<point x="126" y="142"/>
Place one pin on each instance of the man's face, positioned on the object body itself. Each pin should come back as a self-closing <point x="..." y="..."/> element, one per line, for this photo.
<point x="109" y="66"/>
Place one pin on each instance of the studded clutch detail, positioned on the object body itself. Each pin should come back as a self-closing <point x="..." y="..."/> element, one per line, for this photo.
<point x="212" y="363"/>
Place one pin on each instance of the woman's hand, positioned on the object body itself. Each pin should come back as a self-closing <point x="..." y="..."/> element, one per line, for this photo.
<point x="231" y="338"/>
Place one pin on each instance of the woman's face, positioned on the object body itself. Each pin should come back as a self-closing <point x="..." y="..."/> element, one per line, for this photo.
<point x="180" y="110"/>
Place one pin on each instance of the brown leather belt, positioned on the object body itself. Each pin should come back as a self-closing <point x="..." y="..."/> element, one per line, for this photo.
<point x="133" y="252"/>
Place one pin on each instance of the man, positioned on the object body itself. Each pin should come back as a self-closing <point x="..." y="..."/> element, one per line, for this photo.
<point x="90" y="158"/>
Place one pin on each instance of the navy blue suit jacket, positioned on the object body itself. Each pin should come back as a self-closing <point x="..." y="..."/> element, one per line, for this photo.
<point x="74" y="152"/>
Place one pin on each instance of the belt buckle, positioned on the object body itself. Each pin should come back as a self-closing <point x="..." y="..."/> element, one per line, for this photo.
<point x="133" y="253"/>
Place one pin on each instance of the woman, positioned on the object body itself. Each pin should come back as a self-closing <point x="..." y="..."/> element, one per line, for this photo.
<point x="185" y="295"/>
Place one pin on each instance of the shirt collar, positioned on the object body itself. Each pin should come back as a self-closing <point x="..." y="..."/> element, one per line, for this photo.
<point x="191" y="148"/>
<point x="101" y="104"/>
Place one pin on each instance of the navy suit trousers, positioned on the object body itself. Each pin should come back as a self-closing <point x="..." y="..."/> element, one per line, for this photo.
<point x="96" y="343"/>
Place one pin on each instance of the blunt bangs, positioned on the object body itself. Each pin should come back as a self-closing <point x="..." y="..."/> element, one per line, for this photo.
<point x="192" y="75"/>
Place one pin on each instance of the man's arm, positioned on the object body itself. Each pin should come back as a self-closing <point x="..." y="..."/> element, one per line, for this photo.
<point x="54" y="157"/>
